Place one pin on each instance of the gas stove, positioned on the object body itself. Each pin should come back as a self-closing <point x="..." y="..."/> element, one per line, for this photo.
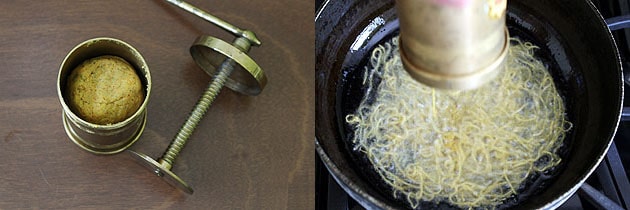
<point x="607" y="188"/>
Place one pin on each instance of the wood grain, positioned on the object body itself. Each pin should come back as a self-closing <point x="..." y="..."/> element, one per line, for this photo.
<point x="247" y="153"/>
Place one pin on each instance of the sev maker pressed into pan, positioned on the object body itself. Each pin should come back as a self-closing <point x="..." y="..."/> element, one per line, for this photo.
<point x="457" y="45"/>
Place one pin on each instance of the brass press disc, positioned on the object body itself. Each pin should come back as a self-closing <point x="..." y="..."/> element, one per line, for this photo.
<point x="247" y="77"/>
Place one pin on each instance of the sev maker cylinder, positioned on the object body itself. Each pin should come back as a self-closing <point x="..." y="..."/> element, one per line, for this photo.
<point x="110" y="138"/>
<point x="453" y="44"/>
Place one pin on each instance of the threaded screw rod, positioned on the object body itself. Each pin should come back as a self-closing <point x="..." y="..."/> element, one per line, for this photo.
<point x="200" y="109"/>
<point x="203" y="52"/>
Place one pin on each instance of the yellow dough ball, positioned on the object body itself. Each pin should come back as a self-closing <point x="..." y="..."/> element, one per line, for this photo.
<point x="104" y="90"/>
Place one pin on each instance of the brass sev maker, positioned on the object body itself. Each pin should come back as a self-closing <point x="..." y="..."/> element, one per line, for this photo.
<point x="453" y="44"/>
<point x="228" y="64"/>
<point x="219" y="59"/>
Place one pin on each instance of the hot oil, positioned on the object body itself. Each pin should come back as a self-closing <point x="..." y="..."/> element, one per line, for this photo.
<point x="350" y="92"/>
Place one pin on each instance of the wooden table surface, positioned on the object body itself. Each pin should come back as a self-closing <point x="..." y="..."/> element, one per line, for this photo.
<point x="247" y="153"/>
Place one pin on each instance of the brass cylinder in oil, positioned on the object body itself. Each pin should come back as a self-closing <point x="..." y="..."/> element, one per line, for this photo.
<point x="453" y="44"/>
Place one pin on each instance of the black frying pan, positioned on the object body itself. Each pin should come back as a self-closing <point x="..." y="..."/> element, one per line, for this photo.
<point x="576" y="45"/>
